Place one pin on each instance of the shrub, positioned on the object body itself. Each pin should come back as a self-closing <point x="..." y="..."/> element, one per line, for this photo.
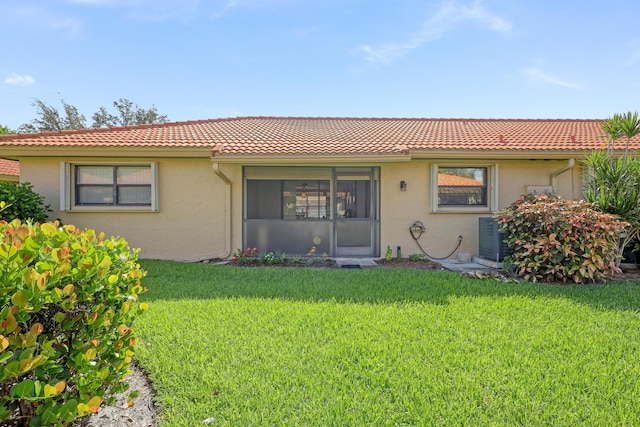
<point x="613" y="186"/>
<point x="22" y="202"/>
<point x="67" y="305"/>
<point x="554" y="239"/>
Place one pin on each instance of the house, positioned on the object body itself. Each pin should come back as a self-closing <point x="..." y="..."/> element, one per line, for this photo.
<point x="348" y="186"/>
<point x="9" y="171"/>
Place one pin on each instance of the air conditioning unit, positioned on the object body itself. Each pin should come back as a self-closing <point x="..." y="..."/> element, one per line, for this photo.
<point x="492" y="245"/>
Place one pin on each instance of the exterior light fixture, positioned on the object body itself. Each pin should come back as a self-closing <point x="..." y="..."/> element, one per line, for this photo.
<point x="403" y="185"/>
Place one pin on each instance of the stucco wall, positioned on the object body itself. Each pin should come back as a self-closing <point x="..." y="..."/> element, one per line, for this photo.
<point x="190" y="222"/>
<point x="399" y="209"/>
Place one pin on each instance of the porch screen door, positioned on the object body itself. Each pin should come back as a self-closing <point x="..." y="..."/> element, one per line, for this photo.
<point x="354" y="214"/>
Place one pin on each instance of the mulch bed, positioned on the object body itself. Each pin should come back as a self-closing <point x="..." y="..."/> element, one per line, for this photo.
<point x="421" y="264"/>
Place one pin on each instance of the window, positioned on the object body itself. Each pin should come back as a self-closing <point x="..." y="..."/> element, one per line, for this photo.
<point x="462" y="188"/>
<point x="93" y="186"/>
<point x="288" y="199"/>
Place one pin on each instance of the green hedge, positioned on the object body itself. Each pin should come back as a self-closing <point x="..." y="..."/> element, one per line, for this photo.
<point x="21" y="202"/>
<point x="68" y="300"/>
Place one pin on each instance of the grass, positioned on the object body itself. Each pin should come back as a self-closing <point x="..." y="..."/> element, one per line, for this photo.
<point x="230" y="346"/>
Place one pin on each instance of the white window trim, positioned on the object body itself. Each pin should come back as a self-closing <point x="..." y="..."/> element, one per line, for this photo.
<point x="67" y="192"/>
<point x="492" y="188"/>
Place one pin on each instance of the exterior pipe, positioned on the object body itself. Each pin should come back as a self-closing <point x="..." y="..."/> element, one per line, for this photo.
<point x="227" y="209"/>
<point x="554" y="175"/>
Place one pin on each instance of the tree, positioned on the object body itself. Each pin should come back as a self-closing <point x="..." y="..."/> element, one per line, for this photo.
<point x="4" y="130"/>
<point x="621" y="125"/>
<point x="128" y="114"/>
<point x="630" y="127"/>
<point x="51" y="119"/>
<point x="613" y="183"/>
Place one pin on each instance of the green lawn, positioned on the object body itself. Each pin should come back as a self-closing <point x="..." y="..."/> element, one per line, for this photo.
<point x="228" y="346"/>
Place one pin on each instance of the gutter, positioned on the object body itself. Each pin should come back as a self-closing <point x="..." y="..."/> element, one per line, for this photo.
<point x="554" y="175"/>
<point x="227" y="209"/>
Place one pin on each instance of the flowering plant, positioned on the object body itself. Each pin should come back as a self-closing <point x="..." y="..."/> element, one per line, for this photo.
<point x="245" y="256"/>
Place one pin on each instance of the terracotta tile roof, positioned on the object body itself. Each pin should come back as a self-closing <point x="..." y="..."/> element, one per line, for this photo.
<point x="446" y="179"/>
<point x="9" y="167"/>
<point x="335" y="136"/>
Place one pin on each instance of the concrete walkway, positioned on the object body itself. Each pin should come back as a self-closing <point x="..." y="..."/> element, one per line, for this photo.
<point x="355" y="262"/>
<point x="476" y="264"/>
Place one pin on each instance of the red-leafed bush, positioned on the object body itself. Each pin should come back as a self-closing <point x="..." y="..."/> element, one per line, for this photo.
<point x="555" y="239"/>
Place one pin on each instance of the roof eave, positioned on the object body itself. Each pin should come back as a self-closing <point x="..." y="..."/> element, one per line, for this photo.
<point x="499" y="154"/>
<point x="311" y="159"/>
<point x="15" y="153"/>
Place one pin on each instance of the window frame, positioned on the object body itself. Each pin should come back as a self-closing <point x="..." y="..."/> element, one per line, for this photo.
<point x="492" y="188"/>
<point x="69" y="188"/>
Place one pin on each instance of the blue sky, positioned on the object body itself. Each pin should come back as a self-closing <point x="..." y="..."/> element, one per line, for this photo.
<point x="199" y="59"/>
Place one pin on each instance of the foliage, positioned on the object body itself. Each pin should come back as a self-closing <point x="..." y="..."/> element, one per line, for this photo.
<point x="417" y="257"/>
<point x="128" y="114"/>
<point x="24" y="202"/>
<point x="613" y="183"/>
<point x="252" y="257"/>
<point x="4" y="130"/>
<point x="67" y="305"/>
<point x="613" y="186"/>
<point x="245" y="256"/>
<point x="389" y="254"/>
<point x="50" y="119"/>
<point x="554" y="239"/>
<point x="386" y="347"/>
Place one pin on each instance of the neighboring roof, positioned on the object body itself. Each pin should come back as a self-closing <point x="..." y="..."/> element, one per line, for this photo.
<point x="445" y="179"/>
<point x="275" y="136"/>
<point x="9" y="168"/>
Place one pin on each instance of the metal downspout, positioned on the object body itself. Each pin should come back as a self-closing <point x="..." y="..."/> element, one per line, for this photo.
<point x="227" y="209"/>
<point x="554" y="175"/>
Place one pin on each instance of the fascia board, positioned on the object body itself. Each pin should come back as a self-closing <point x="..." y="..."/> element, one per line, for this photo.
<point x="498" y="155"/>
<point x="110" y="152"/>
<point x="310" y="159"/>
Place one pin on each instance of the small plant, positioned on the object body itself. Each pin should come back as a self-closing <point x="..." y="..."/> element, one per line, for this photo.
<point x="509" y="267"/>
<point x="417" y="257"/>
<point x="245" y="256"/>
<point x="389" y="255"/>
<point x="311" y="256"/>
<point x="325" y="257"/>
<point x="554" y="239"/>
<point x="269" y="258"/>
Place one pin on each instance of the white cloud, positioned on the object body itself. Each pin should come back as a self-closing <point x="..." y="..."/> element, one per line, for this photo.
<point x="225" y="8"/>
<point x="445" y="19"/>
<point x="19" y="79"/>
<point x="536" y="75"/>
<point x="38" y="18"/>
